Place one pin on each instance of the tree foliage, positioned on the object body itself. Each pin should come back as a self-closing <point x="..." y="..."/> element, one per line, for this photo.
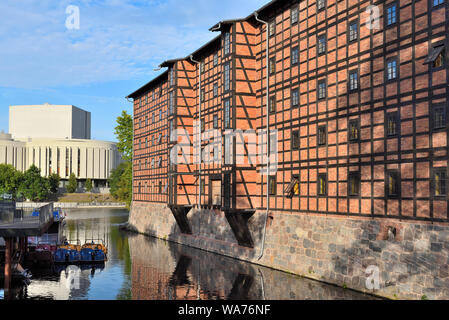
<point x="73" y="184"/>
<point x="120" y="180"/>
<point x="88" y="185"/>
<point x="124" y="134"/>
<point x="10" y="180"/>
<point x="33" y="186"/>
<point x="54" y="180"/>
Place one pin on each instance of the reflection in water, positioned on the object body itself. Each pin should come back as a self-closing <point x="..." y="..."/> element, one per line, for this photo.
<point x="142" y="268"/>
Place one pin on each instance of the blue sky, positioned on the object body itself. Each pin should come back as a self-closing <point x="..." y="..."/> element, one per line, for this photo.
<point x="115" y="51"/>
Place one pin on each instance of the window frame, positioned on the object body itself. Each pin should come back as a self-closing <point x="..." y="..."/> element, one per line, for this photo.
<point x="272" y="189"/>
<point x="227" y="77"/>
<point x="293" y="92"/>
<point x="397" y="122"/>
<point x="397" y="8"/>
<point x="296" y="11"/>
<point x="295" y="137"/>
<point x="438" y="6"/>
<point x="272" y="105"/>
<point x="272" y="28"/>
<point x="357" y="25"/>
<point x="323" y="7"/>
<point x="324" y="37"/>
<point x="296" y="61"/>
<point x="397" y="175"/>
<point x="272" y="66"/>
<point x="227" y="108"/>
<point x="357" y="176"/>
<point x="387" y="62"/>
<point x="325" y="89"/>
<point x="436" y="171"/>
<point x="350" y="125"/>
<point x="322" y="176"/>
<point x="226" y="43"/>
<point x="433" y="113"/>
<point x="352" y="72"/>
<point x="319" y="141"/>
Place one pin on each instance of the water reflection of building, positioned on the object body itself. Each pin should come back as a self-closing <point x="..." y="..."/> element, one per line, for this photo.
<point x="167" y="271"/>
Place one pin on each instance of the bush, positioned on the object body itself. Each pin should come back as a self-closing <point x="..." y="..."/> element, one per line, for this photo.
<point x="88" y="185"/>
<point x="54" y="180"/>
<point x="73" y="184"/>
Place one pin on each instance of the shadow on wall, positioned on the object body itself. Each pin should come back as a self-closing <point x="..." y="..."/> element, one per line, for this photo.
<point x="212" y="232"/>
<point x="169" y="271"/>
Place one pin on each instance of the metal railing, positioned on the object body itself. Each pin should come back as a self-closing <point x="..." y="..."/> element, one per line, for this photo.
<point x="9" y="215"/>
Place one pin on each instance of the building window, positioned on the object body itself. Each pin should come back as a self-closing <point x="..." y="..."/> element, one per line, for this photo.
<point x="202" y="96"/>
<point x="172" y="103"/>
<point x="153" y="117"/>
<point x="172" y="78"/>
<point x="215" y="121"/>
<point x="322" y="184"/>
<point x="392" y="14"/>
<point x="160" y="187"/>
<point x="295" y="55"/>
<point x="322" y="89"/>
<point x="436" y="3"/>
<point x="272" y="185"/>
<point x="437" y="56"/>
<point x="203" y="125"/>
<point x="272" y="66"/>
<point x="227" y="114"/>
<point x="439" y="182"/>
<point x="293" y="188"/>
<point x="295" y="15"/>
<point x="353" y="80"/>
<point x="272" y="28"/>
<point x="227" y="77"/>
<point x="321" y="4"/>
<point x="215" y="89"/>
<point x="216" y="192"/>
<point x="215" y="59"/>
<point x="202" y="67"/>
<point x="393" y="183"/>
<point x="354" y="130"/>
<point x="392" y="124"/>
<point x="322" y="44"/>
<point x="160" y="115"/>
<point x="354" y="184"/>
<point x="272" y="104"/>
<point x="392" y="71"/>
<point x="295" y="98"/>
<point x="439" y="117"/>
<point x="322" y="135"/>
<point x="146" y="142"/>
<point x="227" y="43"/>
<point x="353" y="31"/>
<point x="295" y="140"/>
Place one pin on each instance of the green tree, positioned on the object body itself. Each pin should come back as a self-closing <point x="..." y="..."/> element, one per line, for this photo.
<point x="88" y="185"/>
<point x="120" y="182"/>
<point x="10" y="180"/>
<point x="34" y="186"/>
<point x="124" y="134"/>
<point x="73" y="184"/>
<point x="53" y="180"/>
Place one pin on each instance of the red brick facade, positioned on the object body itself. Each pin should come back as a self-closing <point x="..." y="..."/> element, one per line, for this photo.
<point x="361" y="112"/>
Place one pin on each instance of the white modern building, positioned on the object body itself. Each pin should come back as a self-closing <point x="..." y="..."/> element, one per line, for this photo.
<point x="56" y="139"/>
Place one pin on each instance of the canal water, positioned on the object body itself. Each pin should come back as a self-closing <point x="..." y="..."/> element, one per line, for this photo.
<point x="142" y="268"/>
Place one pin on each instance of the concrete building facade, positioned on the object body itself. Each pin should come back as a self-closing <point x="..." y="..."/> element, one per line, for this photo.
<point x="60" y="143"/>
<point x="358" y="94"/>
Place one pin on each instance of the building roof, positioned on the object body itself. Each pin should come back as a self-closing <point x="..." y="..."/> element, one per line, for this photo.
<point x="163" y="76"/>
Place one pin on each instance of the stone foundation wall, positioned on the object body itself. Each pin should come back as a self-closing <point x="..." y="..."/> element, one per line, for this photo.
<point x="347" y="252"/>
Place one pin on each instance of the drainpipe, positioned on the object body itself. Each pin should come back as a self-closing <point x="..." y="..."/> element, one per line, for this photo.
<point x="199" y="115"/>
<point x="256" y="16"/>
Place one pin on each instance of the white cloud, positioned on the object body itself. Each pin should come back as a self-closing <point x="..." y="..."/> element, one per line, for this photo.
<point x="118" y="39"/>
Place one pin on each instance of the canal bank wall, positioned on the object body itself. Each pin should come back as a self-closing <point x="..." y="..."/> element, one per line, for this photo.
<point x="397" y="259"/>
